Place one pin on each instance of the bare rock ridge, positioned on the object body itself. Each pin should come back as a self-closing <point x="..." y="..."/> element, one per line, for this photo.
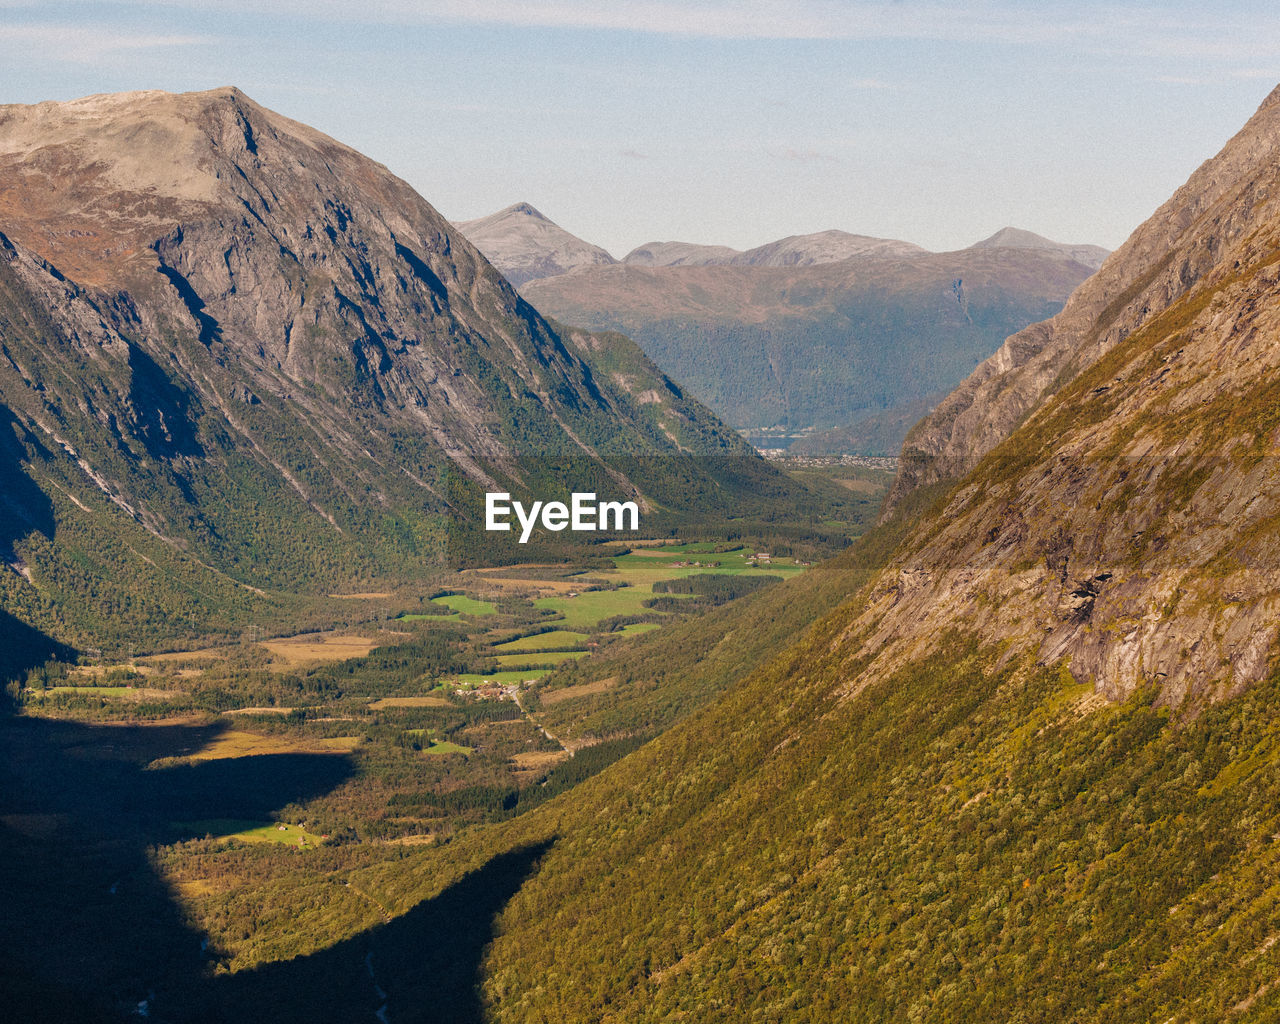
<point x="1118" y="493"/>
<point x="1212" y="214"/>
<point x="792" y="251"/>
<point x="525" y="245"/>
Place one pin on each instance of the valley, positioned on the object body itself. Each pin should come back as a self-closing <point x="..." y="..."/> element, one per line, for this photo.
<point x="989" y="731"/>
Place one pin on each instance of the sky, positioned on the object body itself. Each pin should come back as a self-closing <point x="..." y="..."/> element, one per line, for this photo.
<point x="731" y="122"/>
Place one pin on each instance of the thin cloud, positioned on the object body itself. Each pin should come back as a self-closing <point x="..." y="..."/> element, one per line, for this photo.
<point x="87" y="44"/>
<point x="1152" y="28"/>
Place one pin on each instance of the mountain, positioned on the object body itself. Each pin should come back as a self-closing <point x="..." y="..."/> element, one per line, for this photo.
<point x="1162" y="262"/>
<point x="792" y="251"/>
<point x="679" y="254"/>
<point x="1028" y="768"/>
<point x="1015" y="238"/>
<point x="243" y="364"/>
<point x="525" y="245"/>
<point x="822" y="344"/>
<point x="825" y="330"/>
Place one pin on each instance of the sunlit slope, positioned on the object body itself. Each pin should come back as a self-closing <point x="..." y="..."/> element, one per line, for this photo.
<point x="1029" y="771"/>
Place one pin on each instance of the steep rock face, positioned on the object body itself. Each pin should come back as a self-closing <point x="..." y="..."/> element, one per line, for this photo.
<point x="1129" y="524"/>
<point x="1207" y="222"/>
<point x="525" y="245"/>
<point x="248" y="353"/>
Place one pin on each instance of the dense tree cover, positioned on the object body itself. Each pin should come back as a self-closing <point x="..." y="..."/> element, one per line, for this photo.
<point x="961" y="841"/>
<point x="709" y="590"/>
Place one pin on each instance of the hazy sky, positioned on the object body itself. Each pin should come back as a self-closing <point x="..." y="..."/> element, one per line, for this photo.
<point x="719" y="121"/>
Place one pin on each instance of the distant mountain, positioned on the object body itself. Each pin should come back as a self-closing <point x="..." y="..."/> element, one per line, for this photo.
<point x="823" y="344"/>
<point x="792" y="251"/>
<point x="1015" y="238"/>
<point x="525" y="245"/>
<point x="679" y="254"/>
<point x="241" y="362"/>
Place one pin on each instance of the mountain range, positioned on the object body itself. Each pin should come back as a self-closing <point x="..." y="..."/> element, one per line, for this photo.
<point x="810" y="331"/>
<point x="242" y="362"/>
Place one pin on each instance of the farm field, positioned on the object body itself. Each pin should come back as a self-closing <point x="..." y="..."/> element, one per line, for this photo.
<point x="237" y="743"/>
<point x="447" y="747"/>
<point x="466" y="605"/>
<point x="299" y="650"/>
<point x="556" y="639"/>
<point x="251" y="832"/>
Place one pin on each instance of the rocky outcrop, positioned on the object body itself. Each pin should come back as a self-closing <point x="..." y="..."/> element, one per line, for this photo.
<point x="1206" y="224"/>
<point x="1123" y="514"/>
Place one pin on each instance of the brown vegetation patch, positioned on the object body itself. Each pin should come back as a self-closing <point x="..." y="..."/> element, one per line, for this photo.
<point x="859" y="486"/>
<point x="538" y="760"/>
<point x="234" y="743"/>
<point x="489" y="585"/>
<point x="550" y="698"/>
<point x="299" y="650"/>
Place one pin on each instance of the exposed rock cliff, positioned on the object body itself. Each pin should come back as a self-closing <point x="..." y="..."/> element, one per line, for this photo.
<point x="1208" y="224"/>
<point x="1123" y="510"/>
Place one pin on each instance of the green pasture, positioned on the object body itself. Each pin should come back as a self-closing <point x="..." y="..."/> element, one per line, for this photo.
<point x="251" y="831"/>
<point x="633" y="628"/>
<point x="542" y="642"/>
<point x="466" y="605"/>
<point x="503" y="677"/>
<point x="445" y="747"/>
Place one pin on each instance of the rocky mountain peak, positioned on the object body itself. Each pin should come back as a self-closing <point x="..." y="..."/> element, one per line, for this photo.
<point x="526" y="245"/>
<point x="201" y="299"/>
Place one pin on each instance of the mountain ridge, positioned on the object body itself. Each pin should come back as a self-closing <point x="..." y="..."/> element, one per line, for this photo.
<point x="265" y="329"/>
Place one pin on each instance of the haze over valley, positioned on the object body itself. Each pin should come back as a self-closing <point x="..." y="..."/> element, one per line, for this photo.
<point x="840" y="340"/>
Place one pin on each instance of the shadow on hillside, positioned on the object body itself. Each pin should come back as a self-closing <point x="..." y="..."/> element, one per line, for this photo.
<point x="422" y="967"/>
<point x="23" y="648"/>
<point x="87" y="929"/>
<point x="89" y="932"/>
